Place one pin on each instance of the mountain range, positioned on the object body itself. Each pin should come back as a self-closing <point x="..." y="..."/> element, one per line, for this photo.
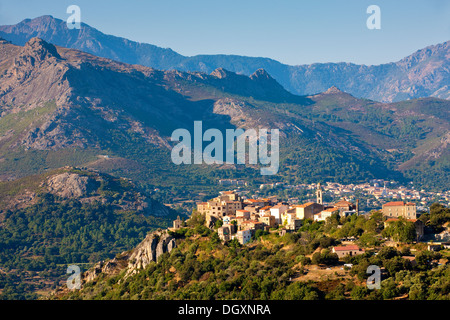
<point x="62" y="106"/>
<point x="424" y="73"/>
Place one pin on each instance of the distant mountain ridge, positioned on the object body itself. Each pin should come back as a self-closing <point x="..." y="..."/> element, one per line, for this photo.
<point x="62" y="106"/>
<point x="425" y="73"/>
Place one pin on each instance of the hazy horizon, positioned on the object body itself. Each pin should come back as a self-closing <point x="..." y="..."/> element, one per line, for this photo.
<point x="293" y="33"/>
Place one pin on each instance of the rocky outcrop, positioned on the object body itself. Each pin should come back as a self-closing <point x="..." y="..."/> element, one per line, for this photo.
<point x="110" y="267"/>
<point x="70" y="185"/>
<point x="150" y="249"/>
<point x="37" y="74"/>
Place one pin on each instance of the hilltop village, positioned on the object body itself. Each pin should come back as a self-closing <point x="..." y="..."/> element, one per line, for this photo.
<point x="237" y="218"/>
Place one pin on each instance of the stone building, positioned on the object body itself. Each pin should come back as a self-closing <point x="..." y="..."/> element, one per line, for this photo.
<point x="177" y="224"/>
<point x="343" y="251"/>
<point x="224" y="233"/>
<point x="215" y="209"/>
<point x="398" y="209"/>
<point x="307" y="210"/>
<point x="244" y="236"/>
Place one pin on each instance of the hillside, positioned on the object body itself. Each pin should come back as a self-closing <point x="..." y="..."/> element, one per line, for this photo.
<point x="67" y="216"/>
<point x="65" y="107"/>
<point x="424" y="73"/>
<point x="299" y="265"/>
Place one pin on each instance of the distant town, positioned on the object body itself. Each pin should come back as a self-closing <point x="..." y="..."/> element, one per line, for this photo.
<point x="375" y="190"/>
<point x="371" y="195"/>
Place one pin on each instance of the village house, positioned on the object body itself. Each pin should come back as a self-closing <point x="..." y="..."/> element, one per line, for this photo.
<point x="255" y="202"/>
<point x="277" y="211"/>
<point x="252" y="209"/>
<point x="324" y="214"/>
<point x="396" y="209"/>
<point x="347" y="208"/>
<point x="264" y="211"/>
<point x="177" y="223"/>
<point x="290" y="220"/>
<point x="343" y="251"/>
<point x="411" y="259"/>
<point x="244" y="236"/>
<point x="344" y="205"/>
<point x="294" y="224"/>
<point x="224" y="233"/>
<point x="243" y="213"/>
<point x="270" y="200"/>
<point x="251" y="225"/>
<point x="229" y="196"/>
<point x="232" y="206"/>
<point x="215" y="209"/>
<point x="307" y="210"/>
<point x="203" y="207"/>
<point x="269" y="221"/>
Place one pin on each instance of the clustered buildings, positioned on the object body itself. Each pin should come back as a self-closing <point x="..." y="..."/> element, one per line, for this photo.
<point x="242" y="218"/>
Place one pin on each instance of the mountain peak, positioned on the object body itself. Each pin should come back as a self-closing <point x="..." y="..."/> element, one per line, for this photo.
<point x="260" y="74"/>
<point x="40" y="49"/>
<point x="333" y="90"/>
<point x="221" y="73"/>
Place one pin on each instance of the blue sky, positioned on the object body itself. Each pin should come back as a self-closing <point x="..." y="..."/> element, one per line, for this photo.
<point x="290" y="31"/>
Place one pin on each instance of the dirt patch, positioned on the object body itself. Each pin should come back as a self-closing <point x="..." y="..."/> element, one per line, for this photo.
<point x="317" y="274"/>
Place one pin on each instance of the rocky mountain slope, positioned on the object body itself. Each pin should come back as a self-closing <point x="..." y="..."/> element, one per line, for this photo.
<point x="61" y="107"/>
<point x="424" y="73"/>
<point x="84" y="185"/>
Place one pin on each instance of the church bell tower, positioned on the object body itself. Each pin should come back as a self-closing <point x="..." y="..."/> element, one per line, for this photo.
<point x="319" y="194"/>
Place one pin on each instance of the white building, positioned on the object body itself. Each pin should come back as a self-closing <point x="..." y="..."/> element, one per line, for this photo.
<point x="244" y="236"/>
<point x="323" y="215"/>
<point x="277" y="211"/>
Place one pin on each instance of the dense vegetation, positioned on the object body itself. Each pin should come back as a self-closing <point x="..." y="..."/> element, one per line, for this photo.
<point x="43" y="238"/>
<point x="201" y="267"/>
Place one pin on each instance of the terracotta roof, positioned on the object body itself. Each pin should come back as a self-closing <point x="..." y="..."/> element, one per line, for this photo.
<point x="304" y="205"/>
<point x="251" y="221"/>
<point x="409" y="258"/>
<point x="343" y="202"/>
<point x="347" y="248"/>
<point x="265" y="208"/>
<point x="396" y="219"/>
<point x="394" y="203"/>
